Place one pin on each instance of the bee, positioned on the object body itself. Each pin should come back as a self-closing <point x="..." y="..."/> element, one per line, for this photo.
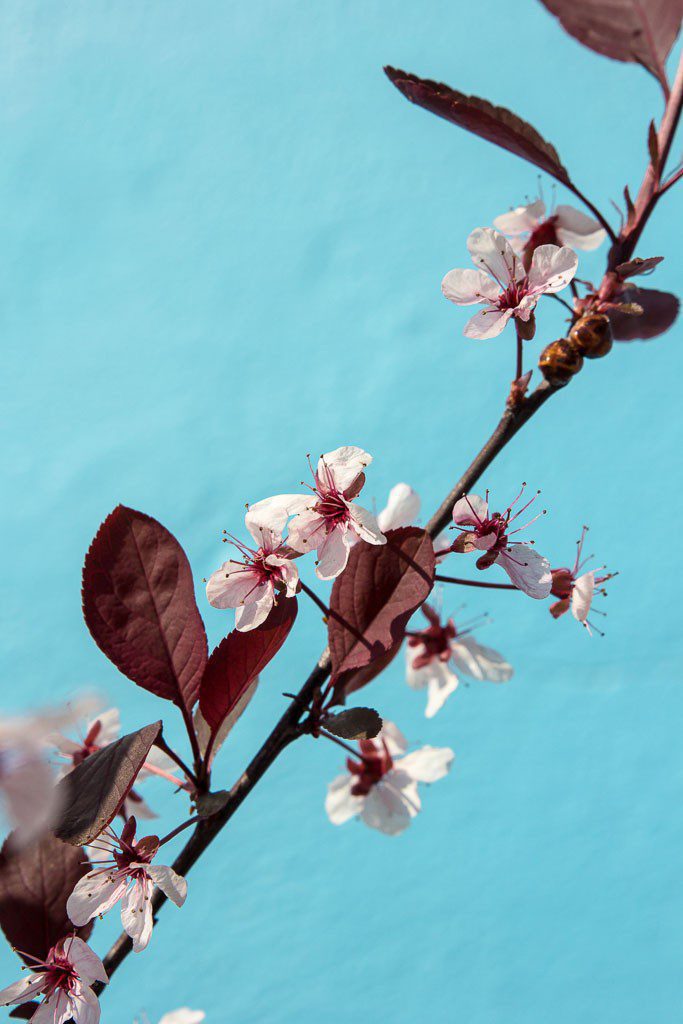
<point x="559" y="361"/>
<point x="592" y="335"/>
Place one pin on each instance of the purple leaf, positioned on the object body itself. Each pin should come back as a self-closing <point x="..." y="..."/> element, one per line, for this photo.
<point x="495" y="124"/>
<point x="92" y="794"/>
<point x="35" y="883"/>
<point x="375" y="596"/>
<point x="238" y="659"/>
<point x="638" y="266"/>
<point x="660" y="310"/>
<point x="139" y="605"/>
<point x="637" y="31"/>
<point x="348" y="682"/>
<point x="354" y="724"/>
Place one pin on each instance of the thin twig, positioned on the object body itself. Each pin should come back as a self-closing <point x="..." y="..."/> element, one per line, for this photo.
<point x="475" y="583"/>
<point x="163" y="745"/>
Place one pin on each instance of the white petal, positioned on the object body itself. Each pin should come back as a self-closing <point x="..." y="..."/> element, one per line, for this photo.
<point x="23" y="990"/>
<point x="577" y="229"/>
<point x="94" y="894"/>
<point x="249" y="616"/>
<point x="429" y="764"/>
<point x="470" y="510"/>
<point x="552" y="268"/>
<point x="340" y="803"/>
<point x="402" y="508"/>
<point x="171" y="884"/>
<point x="88" y="965"/>
<point x="416" y="678"/>
<point x="288" y="571"/>
<point x="232" y="584"/>
<point x="487" y="323"/>
<point x="344" y="465"/>
<point x="333" y="554"/>
<point x="366" y="525"/>
<point x="480" y="662"/>
<point x="527" y="569"/>
<point x="110" y="727"/>
<point x="442" y="684"/>
<point x="491" y="252"/>
<point x="57" y="1009"/>
<point x="136" y="914"/>
<point x="306" y="531"/>
<point x="521" y="220"/>
<point x="183" y="1016"/>
<point x="391" y="804"/>
<point x="393" y="737"/>
<point x="467" y="287"/>
<point x="582" y="596"/>
<point x="86" y="1007"/>
<point x="267" y="519"/>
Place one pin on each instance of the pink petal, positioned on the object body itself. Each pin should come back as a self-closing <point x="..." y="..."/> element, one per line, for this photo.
<point x="88" y="965"/>
<point x="527" y="569"/>
<point x="470" y="510"/>
<point x="94" y="894"/>
<point x="230" y="585"/>
<point x="365" y="525"/>
<point x="522" y="220"/>
<point x="86" y="1007"/>
<point x="333" y="554"/>
<point x="306" y="531"/>
<point x="171" y="884"/>
<point x="491" y="252"/>
<point x="249" y="616"/>
<point x="23" y="990"/>
<point x="136" y="914"/>
<point x="577" y="229"/>
<point x="429" y="764"/>
<point x="344" y="465"/>
<point x="266" y="520"/>
<point x="582" y="596"/>
<point x="479" y="662"/>
<point x="340" y="803"/>
<point x="466" y="287"/>
<point x="487" y="323"/>
<point x="393" y="737"/>
<point x="402" y="508"/>
<point x="391" y="804"/>
<point x="552" y="268"/>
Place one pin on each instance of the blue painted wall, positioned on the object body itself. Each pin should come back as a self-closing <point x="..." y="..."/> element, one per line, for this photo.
<point x="223" y="235"/>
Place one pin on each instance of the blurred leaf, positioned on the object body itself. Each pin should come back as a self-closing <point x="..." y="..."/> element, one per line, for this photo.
<point x="139" y="605"/>
<point x="660" y="310"/>
<point x="635" y="31"/>
<point x="638" y="266"/>
<point x="354" y="724"/>
<point x="92" y="794"/>
<point x="35" y="883"/>
<point x="210" y="803"/>
<point x="375" y="596"/>
<point x="495" y="124"/>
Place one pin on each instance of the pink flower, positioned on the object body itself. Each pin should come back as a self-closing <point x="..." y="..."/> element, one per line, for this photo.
<point x="128" y="876"/>
<point x="529" y="227"/>
<point x="327" y="520"/>
<point x="502" y="285"/>
<point x="433" y="654"/>
<point x="253" y="585"/>
<point x="490" y="533"/>
<point x="576" y="591"/>
<point x="381" y="787"/>
<point x="64" y="979"/>
<point x="99" y="733"/>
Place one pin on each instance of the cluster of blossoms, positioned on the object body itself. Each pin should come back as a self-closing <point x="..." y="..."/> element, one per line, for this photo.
<point x="327" y="521"/>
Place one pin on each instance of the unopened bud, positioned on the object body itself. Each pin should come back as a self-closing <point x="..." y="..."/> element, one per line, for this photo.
<point x="559" y="361"/>
<point x="592" y="335"/>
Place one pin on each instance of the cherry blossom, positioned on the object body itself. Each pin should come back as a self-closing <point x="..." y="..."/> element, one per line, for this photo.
<point x="577" y="591"/>
<point x="99" y="733"/>
<point x="490" y="533"/>
<point x="502" y="285"/>
<point x="327" y="520"/>
<point x="434" y="654"/>
<point x="27" y="784"/>
<point x="128" y="875"/>
<point x="529" y="227"/>
<point x="402" y="508"/>
<point x="64" y="979"/>
<point x="381" y="787"/>
<point x="264" y="574"/>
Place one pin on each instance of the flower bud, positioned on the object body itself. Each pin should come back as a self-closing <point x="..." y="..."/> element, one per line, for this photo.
<point x="592" y="335"/>
<point x="526" y="328"/>
<point x="559" y="361"/>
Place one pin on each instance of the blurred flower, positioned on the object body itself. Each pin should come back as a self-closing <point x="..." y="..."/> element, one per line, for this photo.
<point x="99" y="733"/>
<point x="381" y="787"/>
<point x="528" y="227"/>
<point x="503" y="286"/>
<point x="183" y="1016"/>
<point x="576" y="591"/>
<point x="64" y="979"/>
<point x="528" y="570"/>
<point x="252" y="585"/>
<point x="327" y="520"/>
<point x="433" y="654"/>
<point x="128" y="875"/>
<point x="402" y="508"/>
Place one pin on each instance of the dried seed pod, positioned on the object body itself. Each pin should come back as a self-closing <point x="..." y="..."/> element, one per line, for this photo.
<point x="559" y="361"/>
<point x="592" y="335"/>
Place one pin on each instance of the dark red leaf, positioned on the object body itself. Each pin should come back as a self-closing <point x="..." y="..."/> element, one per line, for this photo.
<point x="495" y="124"/>
<point x="94" y="791"/>
<point x="35" y="883"/>
<point x="638" y="266"/>
<point x="139" y="605"/>
<point x="638" y="31"/>
<point x="354" y="724"/>
<point x="375" y="596"/>
<point x="25" y="1011"/>
<point x="348" y="682"/>
<point x="238" y="659"/>
<point x="660" y="310"/>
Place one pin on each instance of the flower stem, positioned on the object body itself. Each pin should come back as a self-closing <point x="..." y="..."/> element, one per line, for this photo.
<point x="340" y="743"/>
<point x="179" y="829"/>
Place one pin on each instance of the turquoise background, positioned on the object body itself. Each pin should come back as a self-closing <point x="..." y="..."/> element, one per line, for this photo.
<point x="223" y="236"/>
